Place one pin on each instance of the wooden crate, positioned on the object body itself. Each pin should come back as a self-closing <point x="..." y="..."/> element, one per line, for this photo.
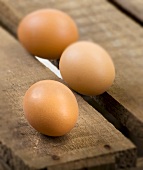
<point x="94" y="142"/>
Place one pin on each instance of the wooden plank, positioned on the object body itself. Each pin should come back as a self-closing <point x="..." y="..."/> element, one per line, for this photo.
<point x="3" y="165"/>
<point x="139" y="164"/>
<point x="120" y="36"/>
<point x="132" y="7"/>
<point x="94" y="142"/>
<point x="9" y="18"/>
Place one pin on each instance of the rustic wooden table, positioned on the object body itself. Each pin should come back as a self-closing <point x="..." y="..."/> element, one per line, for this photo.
<point x="94" y="143"/>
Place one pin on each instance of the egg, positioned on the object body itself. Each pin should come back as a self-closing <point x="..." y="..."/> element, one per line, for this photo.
<point x="50" y="107"/>
<point x="87" y="68"/>
<point x="47" y="32"/>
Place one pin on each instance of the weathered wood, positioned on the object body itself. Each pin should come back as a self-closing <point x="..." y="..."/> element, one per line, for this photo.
<point x="139" y="164"/>
<point x="3" y="165"/>
<point x="101" y="22"/>
<point x="94" y="142"/>
<point x="132" y="7"/>
<point x="9" y="18"/>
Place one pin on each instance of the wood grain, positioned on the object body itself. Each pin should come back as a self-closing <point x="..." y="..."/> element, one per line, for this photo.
<point x="3" y="165"/>
<point x="101" y="22"/>
<point x="9" y="18"/>
<point x="139" y="164"/>
<point x="94" y="142"/>
<point x="132" y="7"/>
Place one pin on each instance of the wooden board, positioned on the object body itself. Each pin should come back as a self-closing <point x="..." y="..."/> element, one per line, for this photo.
<point x="3" y="165"/>
<point x="94" y="142"/>
<point x="101" y="22"/>
<point x="132" y="7"/>
<point x="139" y="164"/>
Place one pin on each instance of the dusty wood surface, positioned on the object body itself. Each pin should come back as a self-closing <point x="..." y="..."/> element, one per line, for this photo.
<point x="101" y="22"/>
<point x="94" y="142"/>
<point x="133" y="7"/>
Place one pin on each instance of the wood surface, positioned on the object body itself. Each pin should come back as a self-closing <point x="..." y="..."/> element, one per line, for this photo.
<point x="94" y="142"/>
<point x="9" y="18"/>
<point x="3" y="165"/>
<point x="139" y="164"/>
<point x="132" y="7"/>
<point x="101" y="22"/>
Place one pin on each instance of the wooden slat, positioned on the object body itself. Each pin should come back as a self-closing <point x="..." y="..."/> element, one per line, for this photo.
<point x="94" y="142"/>
<point x="101" y="22"/>
<point x="132" y="7"/>
<point x="9" y="18"/>
<point x="139" y="164"/>
<point x="3" y="165"/>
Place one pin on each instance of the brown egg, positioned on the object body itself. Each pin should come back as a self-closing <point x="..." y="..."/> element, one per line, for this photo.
<point x="47" y="32"/>
<point x="50" y="107"/>
<point x="87" y="68"/>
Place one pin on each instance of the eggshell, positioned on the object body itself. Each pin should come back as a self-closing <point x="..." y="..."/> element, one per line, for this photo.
<point x="87" y="68"/>
<point x="47" y="32"/>
<point x="50" y="107"/>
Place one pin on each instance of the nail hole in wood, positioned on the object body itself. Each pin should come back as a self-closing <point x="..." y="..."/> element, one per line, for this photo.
<point x="108" y="147"/>
<point x="55" y="157"/>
